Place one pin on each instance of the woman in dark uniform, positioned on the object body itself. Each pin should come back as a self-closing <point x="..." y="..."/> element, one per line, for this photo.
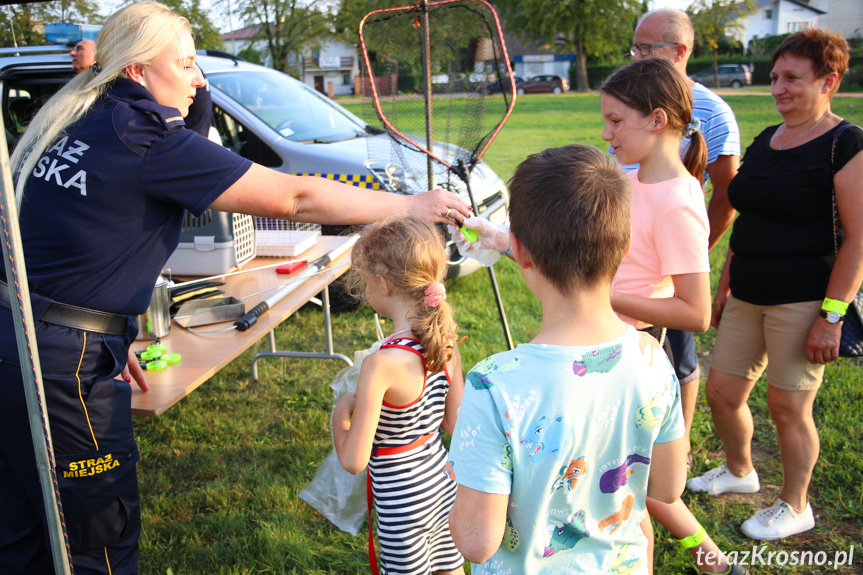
<point x="104" y="174"/>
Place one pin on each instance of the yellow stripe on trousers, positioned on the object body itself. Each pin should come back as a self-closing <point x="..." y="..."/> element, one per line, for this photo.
<point x="81" y="397"/>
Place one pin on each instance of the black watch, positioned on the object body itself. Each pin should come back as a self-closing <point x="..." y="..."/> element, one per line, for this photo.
<point x="831" y="316"/>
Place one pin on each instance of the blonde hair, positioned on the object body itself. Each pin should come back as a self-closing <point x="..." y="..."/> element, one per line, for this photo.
<point x="409" y="254"/>
<point x="136" y="34"/>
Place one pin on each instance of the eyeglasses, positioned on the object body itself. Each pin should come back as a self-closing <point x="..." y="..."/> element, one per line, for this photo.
<point x="644" y="49"/>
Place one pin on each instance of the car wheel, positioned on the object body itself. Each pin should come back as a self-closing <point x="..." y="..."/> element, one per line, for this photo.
<point x="520" y="91"/>
<point x="557" y="90"/>
<point x="736" y="84"/>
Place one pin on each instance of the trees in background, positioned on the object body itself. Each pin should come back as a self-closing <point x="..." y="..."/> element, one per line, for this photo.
<point x="287" y="26"/>
<point x="580" y="27"/>
<point x="24" y="24"/>
<point x="714" y="20"/>
<point x="207" y="35"/>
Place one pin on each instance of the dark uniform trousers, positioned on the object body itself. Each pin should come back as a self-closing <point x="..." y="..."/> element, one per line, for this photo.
<point x="95" y="453"/>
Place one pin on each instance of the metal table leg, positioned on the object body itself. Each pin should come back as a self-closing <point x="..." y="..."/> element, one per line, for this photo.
<point x="328" y="334"/>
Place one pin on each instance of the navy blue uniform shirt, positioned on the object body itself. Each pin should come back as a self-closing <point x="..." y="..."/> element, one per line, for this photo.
<point x="103" y="208"/>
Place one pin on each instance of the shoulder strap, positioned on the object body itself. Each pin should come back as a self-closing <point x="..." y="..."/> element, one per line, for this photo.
<point x="836" y="136"/>
<point x="842" y="128"/>
<point x="395" y="344"/>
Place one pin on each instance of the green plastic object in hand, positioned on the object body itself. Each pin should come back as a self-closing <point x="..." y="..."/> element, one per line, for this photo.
<point x="469" y="234"/>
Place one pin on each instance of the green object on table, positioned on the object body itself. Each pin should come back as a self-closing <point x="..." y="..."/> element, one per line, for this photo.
<point x="156" y="365"/>
<point x="160" y="347"/>
<point x="469" y="234"/>
<point x="172" y="358"/>
<point x="151" y="354"/>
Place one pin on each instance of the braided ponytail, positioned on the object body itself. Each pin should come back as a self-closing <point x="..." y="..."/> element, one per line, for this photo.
<point x="409" y="254"/>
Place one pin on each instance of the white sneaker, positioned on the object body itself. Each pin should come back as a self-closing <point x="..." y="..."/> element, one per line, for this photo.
<point x="778" y="522"/>
<point x="720" y="480"/>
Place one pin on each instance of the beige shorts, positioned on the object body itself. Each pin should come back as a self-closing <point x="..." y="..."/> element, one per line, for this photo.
<point x="749" y="334"/>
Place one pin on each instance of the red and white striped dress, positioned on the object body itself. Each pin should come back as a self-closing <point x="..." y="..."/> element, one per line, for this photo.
<point x="412" y="493"/>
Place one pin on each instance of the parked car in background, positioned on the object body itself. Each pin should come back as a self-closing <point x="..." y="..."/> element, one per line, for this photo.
<point x="730" y="75"/>
<point x="544" y="83"/>
<point x="496" y="87"/>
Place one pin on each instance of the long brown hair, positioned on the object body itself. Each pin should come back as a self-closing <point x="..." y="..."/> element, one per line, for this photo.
<point x="409" y="254"/>
<point x="646" y="85"/>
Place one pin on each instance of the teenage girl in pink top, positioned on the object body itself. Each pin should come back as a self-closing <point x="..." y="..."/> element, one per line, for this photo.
<point x="663" y="281"/>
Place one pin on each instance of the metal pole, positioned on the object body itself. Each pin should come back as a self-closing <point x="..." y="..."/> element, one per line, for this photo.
<point x="31" y="371"/>
<point x="12" y="26"/>
<point x="424" y="14"/>
<point x="463" y="172"/>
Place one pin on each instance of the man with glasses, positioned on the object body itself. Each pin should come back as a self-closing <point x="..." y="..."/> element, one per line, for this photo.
<point x="669" y="34"/>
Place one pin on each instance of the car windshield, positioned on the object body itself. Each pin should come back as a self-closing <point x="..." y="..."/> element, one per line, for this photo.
<point x="289" y="107"/>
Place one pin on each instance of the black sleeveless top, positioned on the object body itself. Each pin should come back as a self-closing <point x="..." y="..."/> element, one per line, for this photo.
<point x="783" y="239"/>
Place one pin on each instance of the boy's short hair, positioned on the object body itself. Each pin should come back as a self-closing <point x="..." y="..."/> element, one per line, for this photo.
<point x="570" y="207"/>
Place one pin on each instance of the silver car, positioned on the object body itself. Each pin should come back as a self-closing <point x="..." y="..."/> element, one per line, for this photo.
<point x="279" y="122"/>
<point x="272" y="119"/>
<point x="733" y="75"/>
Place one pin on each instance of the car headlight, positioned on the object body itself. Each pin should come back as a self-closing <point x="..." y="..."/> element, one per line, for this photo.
<point x="394" y="178"/>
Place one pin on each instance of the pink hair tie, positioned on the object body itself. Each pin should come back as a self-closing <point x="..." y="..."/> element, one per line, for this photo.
<point x="435" y="294"/>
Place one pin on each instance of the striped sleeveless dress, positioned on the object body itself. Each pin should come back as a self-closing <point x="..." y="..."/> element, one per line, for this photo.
<point x="412" y="493"/>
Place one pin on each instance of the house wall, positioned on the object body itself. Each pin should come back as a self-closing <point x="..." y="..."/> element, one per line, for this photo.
<point x="793" y="17"/>
<point x="843" y="16"/>
<point x="785" y="17"/>
<point x="758" y="25"/>
<point x="337" y="64"/>
<point x="528" y="66"/>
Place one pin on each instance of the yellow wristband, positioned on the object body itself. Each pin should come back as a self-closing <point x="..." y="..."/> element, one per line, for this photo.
<point x="834" y="305"/>
<point x="693" y="540"/>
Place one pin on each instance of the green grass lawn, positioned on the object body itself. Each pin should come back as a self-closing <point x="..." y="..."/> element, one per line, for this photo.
<point x="220" y="471"/>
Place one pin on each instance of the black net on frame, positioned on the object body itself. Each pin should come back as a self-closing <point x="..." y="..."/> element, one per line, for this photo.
<point x="461" y="97"/>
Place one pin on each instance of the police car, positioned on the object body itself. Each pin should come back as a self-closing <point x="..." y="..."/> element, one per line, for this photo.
<point x="272" y="119"/>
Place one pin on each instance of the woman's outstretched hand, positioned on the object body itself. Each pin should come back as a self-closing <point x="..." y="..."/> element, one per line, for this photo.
<point x="441" y="206"/>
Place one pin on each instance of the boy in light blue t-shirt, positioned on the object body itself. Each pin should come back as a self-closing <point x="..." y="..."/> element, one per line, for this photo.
<point x="559" y="441"/>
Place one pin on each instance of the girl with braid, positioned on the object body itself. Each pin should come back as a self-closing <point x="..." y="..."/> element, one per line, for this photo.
<point x="407" y="391"/>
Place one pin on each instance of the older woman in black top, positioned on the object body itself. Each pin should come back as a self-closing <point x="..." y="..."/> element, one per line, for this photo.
<point x="788" y="288"/>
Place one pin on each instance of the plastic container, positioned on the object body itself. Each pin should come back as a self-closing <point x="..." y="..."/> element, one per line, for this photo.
<point x="284" y="238"/>
<point x="213" y="244"/>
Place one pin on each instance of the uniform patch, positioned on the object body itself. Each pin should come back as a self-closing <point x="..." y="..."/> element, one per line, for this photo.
<point x="90" y="467"/>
